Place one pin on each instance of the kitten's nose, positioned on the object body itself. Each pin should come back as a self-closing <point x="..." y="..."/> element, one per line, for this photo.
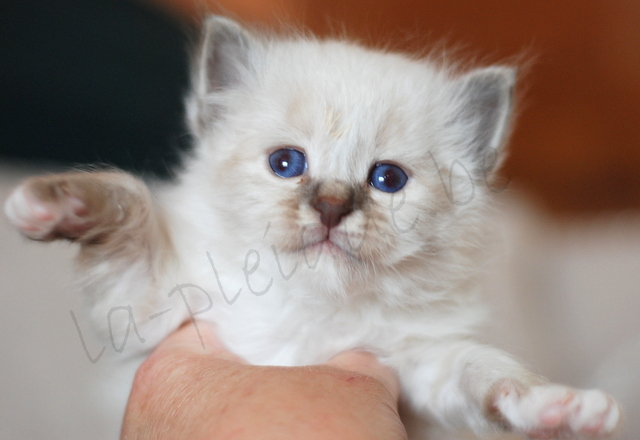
<point x="332" y="209"/>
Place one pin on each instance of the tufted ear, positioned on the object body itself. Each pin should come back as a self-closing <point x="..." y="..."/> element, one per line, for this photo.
<point x="484" y="106"/>
<point x="222" y="62"/>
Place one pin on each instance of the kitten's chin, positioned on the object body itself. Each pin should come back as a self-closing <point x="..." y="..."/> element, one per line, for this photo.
<point x="329" y="268"/>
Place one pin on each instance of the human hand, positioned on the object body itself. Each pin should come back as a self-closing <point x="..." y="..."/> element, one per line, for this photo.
<point x="185" y="391"/>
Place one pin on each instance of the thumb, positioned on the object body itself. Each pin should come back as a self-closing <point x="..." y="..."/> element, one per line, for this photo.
<point x="198" y="337"/>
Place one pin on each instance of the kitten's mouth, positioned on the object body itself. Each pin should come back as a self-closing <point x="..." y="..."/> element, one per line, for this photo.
<point x="312" y="251"/>
<point x="318" y="240"/>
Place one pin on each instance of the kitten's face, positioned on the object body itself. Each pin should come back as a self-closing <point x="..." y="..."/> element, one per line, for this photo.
<point x="342" y="157"/>
<point x="350" y="146"/>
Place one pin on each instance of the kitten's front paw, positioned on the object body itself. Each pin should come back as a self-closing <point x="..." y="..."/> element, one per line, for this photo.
<point x="63" y="206"/>
<point x="43" y="209"/>
<point x="550" y="411"/>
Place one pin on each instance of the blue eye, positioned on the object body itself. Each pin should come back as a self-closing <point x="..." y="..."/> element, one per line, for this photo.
<point x="387" y="177"/>
<point x="288" y="162"/>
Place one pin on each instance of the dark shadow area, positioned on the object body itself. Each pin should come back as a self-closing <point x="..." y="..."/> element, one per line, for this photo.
<point x="98" y="81"/>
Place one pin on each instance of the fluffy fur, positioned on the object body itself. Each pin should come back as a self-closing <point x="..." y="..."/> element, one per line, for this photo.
<point x="233" y="243"/>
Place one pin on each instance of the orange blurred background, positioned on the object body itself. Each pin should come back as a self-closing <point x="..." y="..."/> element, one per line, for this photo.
<point x="576" y="147"/>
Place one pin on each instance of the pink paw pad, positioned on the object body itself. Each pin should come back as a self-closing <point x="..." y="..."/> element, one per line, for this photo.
<point x="551" y="411"/>
<point x="45" y="219"/>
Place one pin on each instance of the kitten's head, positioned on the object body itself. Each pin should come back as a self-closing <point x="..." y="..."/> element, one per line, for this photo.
<point x="361" y="162"/>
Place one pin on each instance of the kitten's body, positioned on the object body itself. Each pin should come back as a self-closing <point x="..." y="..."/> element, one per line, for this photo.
<point x="286" y="279"/>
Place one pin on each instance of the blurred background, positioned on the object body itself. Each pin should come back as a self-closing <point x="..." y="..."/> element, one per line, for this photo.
<point x="86" y="81"/>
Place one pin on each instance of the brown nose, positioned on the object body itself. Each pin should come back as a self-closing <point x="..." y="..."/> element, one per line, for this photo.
<point x="332" y="209"/>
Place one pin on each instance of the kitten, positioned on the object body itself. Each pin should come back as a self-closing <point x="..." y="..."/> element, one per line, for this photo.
<point x="336" y="200"/>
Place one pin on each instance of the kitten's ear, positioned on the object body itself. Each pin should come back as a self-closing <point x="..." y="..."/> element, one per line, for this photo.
<point x="224" y="58"/>
<point x="485" y="102"/>
<point x="223" y="61"/>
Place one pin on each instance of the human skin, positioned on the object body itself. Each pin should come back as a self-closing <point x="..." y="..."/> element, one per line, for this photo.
<point x="186" y="391"/>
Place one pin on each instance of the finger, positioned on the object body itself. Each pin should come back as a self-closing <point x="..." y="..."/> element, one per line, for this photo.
<point x="367" y="364"/>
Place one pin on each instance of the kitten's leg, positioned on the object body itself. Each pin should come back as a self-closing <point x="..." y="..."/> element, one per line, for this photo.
<point x="463" y="383"/>
<point x="125" y="246"/>
<point x="88" y="207"/>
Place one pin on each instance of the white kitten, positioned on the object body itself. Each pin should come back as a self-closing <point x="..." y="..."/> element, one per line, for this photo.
<point x="336" y="200"/>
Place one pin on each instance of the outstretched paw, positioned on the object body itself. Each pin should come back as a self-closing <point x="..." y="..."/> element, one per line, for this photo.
<point x="66" y="205"/>
<point x="551" y="411"/>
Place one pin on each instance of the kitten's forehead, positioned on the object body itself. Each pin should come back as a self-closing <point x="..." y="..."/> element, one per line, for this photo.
<point x="338" y="135"/>
<point x="351" y="106"/>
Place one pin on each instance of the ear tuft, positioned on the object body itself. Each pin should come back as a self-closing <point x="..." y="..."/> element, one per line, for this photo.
<point x="485" y="99"/>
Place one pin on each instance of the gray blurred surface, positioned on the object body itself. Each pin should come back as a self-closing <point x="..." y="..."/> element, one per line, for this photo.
<point x="48" y="387"/>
